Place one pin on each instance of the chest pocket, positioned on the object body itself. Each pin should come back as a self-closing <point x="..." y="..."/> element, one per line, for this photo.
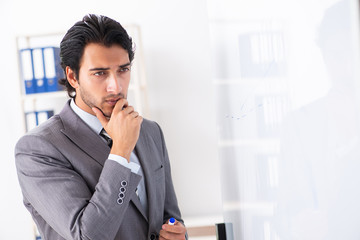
<point x="159" y="173"/>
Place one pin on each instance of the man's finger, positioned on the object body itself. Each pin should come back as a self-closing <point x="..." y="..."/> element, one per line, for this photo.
<point x="103" y="120"/>
<point x="122" y="103"/>
<point x="178" y="228"/>
<point x="129" y="109"/>
<point x="134" y="114"/>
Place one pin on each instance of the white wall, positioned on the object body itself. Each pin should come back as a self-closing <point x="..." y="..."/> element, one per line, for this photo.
<point x="175" y="39"/>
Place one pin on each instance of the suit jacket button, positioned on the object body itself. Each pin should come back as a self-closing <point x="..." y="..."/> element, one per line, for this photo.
<point x="123" y="183"/>
<point x="120" y="201"/>
<point x="153" y="236"/>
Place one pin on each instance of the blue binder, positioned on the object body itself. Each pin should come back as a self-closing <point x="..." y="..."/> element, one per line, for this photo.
<point x="41" y="69"/>
<point x="52" y="68"/>
<point x="35" y="118"/>
<point x="27" y="69"/>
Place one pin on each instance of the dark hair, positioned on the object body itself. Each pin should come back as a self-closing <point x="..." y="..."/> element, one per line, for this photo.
<point x="92" y="29"/>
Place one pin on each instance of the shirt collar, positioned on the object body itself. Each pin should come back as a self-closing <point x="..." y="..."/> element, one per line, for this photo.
<point x="89" y="119"/>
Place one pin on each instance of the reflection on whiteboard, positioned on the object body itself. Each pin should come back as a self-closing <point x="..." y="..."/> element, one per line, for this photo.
<point x="288" y="93"/>
<point x="321" y="149"/>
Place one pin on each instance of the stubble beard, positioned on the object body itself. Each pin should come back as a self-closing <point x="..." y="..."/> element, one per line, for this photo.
<point x="90" y="101"/>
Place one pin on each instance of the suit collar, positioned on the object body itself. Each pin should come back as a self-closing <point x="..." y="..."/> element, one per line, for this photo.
<point x="82" y="135"/>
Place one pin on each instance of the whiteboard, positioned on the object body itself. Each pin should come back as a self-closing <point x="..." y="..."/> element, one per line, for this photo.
<point x="287" y="83"/>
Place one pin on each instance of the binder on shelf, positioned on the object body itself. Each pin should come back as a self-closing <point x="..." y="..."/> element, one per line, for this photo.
<point x="52" y="68"/>
<point x="41" y="69"/>
<point x="37" y="117"/>
<point x="30" y="118"/>
<point x="27" y="68"/>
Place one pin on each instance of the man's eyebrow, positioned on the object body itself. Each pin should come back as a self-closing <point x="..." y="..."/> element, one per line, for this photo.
<point x="104" y="69"/>
<point x="125" y="65"/>
<point x="98" y="69"/>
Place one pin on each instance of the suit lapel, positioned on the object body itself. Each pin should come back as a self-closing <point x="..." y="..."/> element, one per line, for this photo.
<point x="83" y="136"/>
<point x="138" y="205"/>
<point x="148" y="163"/>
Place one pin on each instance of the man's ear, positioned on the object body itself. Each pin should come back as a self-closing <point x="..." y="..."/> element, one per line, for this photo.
<point x="71" y="78"/>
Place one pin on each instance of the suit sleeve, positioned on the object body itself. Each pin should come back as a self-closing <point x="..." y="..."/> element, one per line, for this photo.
<point x="45" y="177"/>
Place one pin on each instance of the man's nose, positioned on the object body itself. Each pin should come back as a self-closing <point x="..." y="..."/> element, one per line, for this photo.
<point x="113" y="84"/>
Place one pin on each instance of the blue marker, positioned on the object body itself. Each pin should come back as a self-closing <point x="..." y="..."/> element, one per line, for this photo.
<point x="171" y="221"/>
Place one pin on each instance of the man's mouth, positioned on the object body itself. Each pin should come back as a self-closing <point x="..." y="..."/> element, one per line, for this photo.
<point x="112" y="101"/>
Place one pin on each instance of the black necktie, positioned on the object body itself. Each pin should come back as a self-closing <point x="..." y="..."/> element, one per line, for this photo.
<point x="106" y="136"/>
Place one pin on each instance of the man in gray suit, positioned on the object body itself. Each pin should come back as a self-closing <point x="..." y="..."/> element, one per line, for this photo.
<point x="98" y="170"/>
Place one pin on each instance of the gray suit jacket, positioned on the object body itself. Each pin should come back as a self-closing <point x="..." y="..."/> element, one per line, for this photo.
<point x="72" y="191"/>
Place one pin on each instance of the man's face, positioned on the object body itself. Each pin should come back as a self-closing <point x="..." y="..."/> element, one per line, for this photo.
<point x="104" y="77"/>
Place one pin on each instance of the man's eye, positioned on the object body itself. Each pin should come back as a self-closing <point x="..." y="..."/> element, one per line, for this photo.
<point x="99" y="73"/>
<point x="125" y="69"/>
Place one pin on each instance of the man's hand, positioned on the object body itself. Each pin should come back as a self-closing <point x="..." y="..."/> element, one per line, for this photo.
<point x="173" y="232"/>
<point x="123" y="127"/>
